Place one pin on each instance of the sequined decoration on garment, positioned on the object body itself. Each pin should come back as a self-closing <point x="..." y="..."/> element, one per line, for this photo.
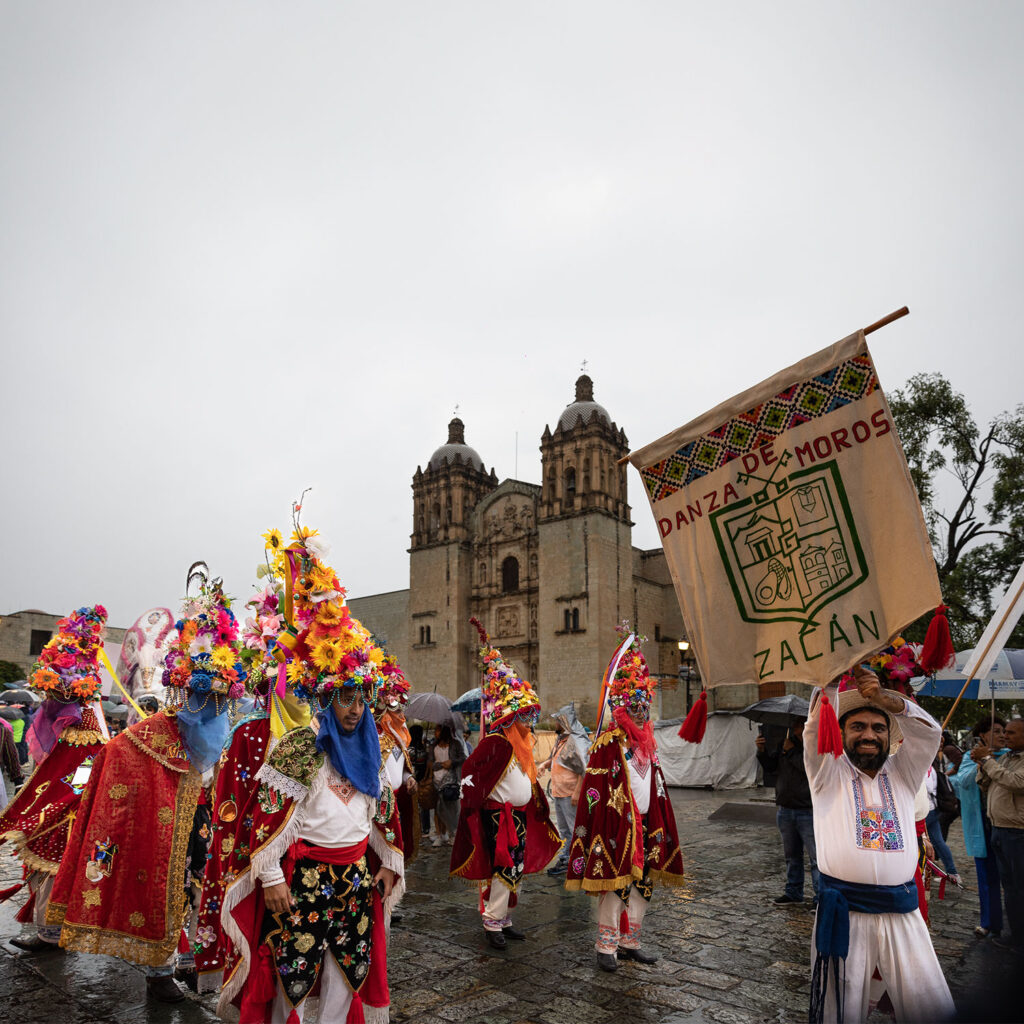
<point x="332" y="913"/>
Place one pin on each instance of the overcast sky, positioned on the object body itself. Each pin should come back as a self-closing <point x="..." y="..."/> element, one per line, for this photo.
<point x="247" y="248"/>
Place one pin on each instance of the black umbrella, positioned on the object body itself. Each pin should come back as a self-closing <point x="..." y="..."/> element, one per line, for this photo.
<point x="777" y="710"/>
<point x="11" y="714"/>
<point x="17" y="697"/>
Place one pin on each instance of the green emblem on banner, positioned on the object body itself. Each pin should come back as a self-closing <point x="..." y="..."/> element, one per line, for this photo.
<point x="790" y="547"/>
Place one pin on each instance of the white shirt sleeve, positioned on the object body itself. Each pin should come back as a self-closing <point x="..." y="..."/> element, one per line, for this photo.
<point x="921" y="734"/>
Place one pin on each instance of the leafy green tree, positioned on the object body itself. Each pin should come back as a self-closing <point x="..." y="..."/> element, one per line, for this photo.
<point x="10" y="673"/>
<point x="977" y="525"/>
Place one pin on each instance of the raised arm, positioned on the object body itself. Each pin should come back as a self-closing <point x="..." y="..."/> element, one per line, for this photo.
<point x="818" y="766"/>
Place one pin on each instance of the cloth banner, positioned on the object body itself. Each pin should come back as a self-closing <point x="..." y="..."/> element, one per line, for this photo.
<point x="791" y="526"/>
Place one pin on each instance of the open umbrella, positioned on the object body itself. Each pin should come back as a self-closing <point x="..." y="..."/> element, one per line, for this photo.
<point x="429" y="707"/>
<point x="777" y="710"/>
<point x="469" y="701"/>
<point x="1005" y="680"/>
<point x="17" y="697"/>
<point x="11" y="714"/>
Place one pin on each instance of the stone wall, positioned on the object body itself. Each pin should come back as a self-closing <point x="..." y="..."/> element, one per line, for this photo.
<point x="387" y="616"/>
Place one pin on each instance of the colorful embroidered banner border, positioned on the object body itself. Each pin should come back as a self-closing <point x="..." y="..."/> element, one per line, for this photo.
<point x="848" y="381"/>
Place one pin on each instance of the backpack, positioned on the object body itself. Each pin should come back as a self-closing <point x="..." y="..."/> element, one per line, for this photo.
<point x="945" y="798"/>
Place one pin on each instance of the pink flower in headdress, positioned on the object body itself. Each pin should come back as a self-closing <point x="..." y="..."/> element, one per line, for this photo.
<point x="252" y="638"/>
<point x="902" y="667"/>
<point x="270" y="624"/>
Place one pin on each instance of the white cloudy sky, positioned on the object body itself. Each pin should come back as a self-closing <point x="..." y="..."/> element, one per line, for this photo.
<point x="250" y="247"/>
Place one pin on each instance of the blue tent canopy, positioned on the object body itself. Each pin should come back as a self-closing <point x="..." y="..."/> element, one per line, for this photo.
<point x="1004" y="682"/>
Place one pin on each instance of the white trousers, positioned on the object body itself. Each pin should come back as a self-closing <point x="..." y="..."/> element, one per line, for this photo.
<point x="335" y="997"/>
<point x="609" y="915"/>
<point x="496" y="915"/>
<point x="900" y="947"/>
<point x="41" y="884"/>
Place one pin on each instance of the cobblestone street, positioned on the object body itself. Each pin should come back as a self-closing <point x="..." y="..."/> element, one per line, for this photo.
<point x="727" y="955"/>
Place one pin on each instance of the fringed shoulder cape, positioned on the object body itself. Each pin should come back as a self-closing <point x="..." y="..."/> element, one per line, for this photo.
<point x="607" y="850"/>
<point x="36" y="821"/>
<point x="481" y="772"/>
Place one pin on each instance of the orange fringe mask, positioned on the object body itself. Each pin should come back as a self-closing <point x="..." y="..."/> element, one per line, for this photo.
<point x="522" y="741"/>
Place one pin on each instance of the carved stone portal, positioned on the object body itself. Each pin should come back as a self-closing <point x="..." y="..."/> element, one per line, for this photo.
<point x="508" y="621"/>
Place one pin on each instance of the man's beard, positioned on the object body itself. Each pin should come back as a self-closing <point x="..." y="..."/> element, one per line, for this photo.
<point x="865" y="761"/>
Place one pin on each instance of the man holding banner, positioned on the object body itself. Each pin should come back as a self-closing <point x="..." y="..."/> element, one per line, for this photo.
<point x="864" y="833"/>
<point x="797" y="547"/>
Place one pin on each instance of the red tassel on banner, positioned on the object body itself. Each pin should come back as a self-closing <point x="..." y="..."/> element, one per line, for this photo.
<point x="693" y="728"/>
<point x="830" y="736"/>
<point x="937" y="652"/>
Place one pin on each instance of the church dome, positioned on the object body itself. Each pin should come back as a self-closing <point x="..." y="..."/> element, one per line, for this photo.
<point x="456" y="447"/>
<point x="584" y="409"/>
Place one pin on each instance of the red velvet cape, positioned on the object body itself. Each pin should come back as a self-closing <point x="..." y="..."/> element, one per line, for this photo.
<point x="481" y="772"/>
<point x="607" y="849"/>
<point x="120" y="889"/>
<point x="232" y="814"/>
<point x="36" y="821"/>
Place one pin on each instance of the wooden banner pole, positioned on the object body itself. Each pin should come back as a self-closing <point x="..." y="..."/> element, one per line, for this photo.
<point x="877" y="325"/>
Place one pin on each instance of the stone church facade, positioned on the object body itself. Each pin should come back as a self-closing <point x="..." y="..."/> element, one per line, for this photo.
<point x="548" y="568"/>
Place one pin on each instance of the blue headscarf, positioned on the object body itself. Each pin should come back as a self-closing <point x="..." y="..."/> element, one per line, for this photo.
<point x="355" y="755"/>
<point x="204" y="732"/>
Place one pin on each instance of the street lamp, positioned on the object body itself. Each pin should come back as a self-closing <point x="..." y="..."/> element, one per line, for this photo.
<point x="684" y="668"/>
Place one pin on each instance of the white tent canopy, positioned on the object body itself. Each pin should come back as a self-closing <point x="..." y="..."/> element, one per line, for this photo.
<point x="724" y="760"/>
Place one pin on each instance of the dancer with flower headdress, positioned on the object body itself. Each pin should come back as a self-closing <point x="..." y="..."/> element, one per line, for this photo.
<point x="277" y="711"/>
<point x="505" y="830"/>
<point x="64" y="738"/>
<point x="625" y="836"/>
<point x="395" y="741"/>
<point x="317" y="866"/>
<point x="138" y="843"/>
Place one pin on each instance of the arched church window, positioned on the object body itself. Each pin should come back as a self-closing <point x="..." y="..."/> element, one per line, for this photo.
<point x="510" y="574"/>
<point x="570" y="484"/>
<point x="575" y="620"/>
<point x="435" y="521"/>
<point x="568" y="620"/>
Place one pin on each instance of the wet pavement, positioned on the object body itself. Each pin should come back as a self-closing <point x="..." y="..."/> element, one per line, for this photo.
<point x="727" y="955"/>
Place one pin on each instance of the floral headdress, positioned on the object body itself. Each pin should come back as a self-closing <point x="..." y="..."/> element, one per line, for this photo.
<point x="632" y="686"/>
<point x="67" y="667"/>
<point x="204" y="657"/>
<point x="326" y="647"/>
<point x="394" y="688"/>
<point x="506" y="697"/>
